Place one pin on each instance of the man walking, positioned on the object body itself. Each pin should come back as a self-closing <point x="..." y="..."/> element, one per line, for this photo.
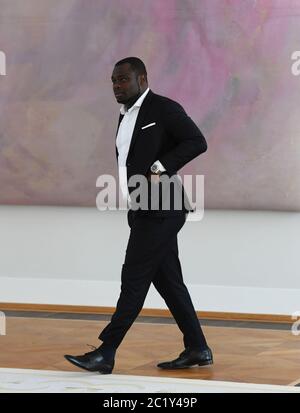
<point x="155" y="139"/>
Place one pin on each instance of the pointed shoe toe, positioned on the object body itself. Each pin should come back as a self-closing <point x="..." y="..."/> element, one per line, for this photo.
<point x="95" y="363"/>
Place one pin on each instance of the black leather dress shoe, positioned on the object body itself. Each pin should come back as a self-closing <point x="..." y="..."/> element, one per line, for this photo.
<point x="92" y="361"/>
<point x="189" y="358"/>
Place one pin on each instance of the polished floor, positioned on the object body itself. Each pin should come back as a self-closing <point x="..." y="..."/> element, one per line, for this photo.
<point x="244" y="352"/>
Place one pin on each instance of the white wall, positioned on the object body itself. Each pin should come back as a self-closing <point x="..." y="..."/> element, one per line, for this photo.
<point x="232" y="261"/>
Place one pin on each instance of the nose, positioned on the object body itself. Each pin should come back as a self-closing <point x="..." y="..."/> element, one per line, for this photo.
<point x="117" y="90"/>
<point x="116" y="86"/>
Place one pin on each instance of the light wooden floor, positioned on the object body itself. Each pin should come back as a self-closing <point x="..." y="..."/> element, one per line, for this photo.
<point x="240" y="354"/>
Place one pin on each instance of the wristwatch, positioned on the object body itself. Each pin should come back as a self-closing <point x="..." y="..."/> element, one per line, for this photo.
<point x="155" y="169"/>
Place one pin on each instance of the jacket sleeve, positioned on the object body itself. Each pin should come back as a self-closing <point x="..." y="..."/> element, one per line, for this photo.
<point x="188" y="140"/>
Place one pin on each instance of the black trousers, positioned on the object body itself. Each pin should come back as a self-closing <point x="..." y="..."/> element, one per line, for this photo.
<point x="152" y="256"/>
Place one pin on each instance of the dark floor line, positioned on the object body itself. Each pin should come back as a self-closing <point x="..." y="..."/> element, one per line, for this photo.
<point x="149" y="319"/>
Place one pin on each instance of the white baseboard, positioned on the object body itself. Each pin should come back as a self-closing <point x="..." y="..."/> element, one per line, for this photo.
<point x="105" y="294"/>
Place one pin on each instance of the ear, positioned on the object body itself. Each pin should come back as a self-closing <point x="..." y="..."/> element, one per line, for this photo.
<point x="143" y="79"/>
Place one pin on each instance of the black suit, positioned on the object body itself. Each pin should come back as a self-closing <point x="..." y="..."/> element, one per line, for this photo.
<point x="174" y="140"/>
<point x="152" y="250"/>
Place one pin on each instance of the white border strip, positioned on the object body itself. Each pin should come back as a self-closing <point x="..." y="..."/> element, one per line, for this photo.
<point x="105" y="294"/>
<point x="113" y="383"/>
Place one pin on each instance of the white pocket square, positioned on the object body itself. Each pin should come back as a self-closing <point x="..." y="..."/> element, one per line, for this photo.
<point x="148" y="126"/>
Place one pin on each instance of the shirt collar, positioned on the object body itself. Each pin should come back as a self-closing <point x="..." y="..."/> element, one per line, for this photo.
<point x="137" y="104"/>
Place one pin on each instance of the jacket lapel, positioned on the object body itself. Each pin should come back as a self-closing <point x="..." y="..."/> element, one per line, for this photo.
<point x="139" y="121"/>
<point x="144" y="109"/>
<point x="120" y="120"/>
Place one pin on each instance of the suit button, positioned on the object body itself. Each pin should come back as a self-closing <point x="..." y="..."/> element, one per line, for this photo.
<point x="128" y="164"/>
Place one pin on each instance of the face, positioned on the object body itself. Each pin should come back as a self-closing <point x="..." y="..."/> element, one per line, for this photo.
<point x="127" y="85"/>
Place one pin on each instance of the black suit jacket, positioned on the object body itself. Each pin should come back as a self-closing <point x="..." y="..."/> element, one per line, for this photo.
<point x="174" y="140"/>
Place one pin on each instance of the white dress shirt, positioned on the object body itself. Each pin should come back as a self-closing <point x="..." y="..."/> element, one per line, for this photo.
<point x="123" y="141"/>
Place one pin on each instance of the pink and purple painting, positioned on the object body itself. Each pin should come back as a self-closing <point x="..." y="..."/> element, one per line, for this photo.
<point x="228" y="62"/>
